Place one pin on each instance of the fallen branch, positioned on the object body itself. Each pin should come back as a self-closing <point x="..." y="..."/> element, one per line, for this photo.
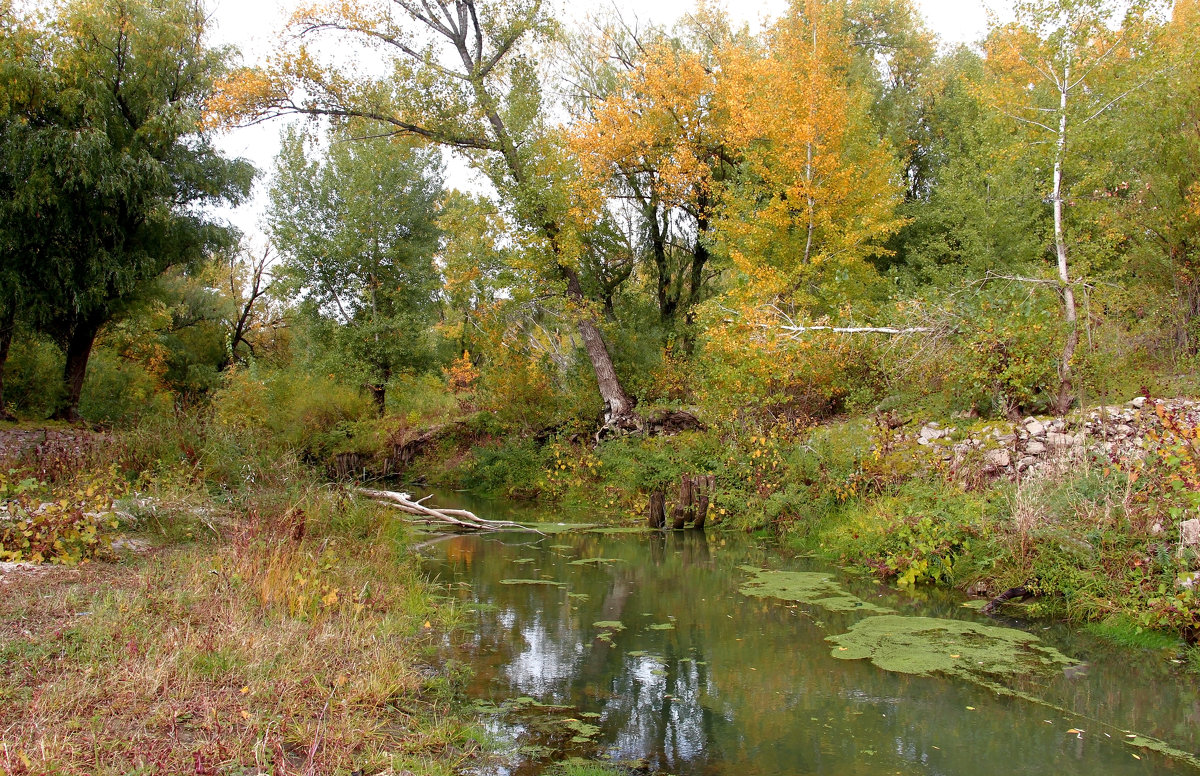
<point x="458" y="518"/>
<point x="850" y="329"/>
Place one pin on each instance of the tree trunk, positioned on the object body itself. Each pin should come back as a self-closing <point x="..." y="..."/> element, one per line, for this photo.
<point x="78" y="351"/>
<point x="1065" y="388"/>
<point x="379" y="397"/>
<point x="7" y="325"/>
<point x="618" y="405"/>
<point x="685" y="508"/>
<point x="656" y="510"/>
<point x="703" y="489"/>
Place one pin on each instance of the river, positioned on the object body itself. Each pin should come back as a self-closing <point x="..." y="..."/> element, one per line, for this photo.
<point x="695" y="653"/>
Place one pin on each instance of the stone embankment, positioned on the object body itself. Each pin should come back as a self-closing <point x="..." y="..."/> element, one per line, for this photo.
<point x="1117" y="433"/>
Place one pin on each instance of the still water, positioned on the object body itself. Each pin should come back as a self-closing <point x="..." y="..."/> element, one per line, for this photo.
<point x="649" y="648"/>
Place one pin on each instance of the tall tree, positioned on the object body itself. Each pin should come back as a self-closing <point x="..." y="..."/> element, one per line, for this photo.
<point x="1158" y="151"/>
<point x="652" y="134"/>
<point x="816" y="191"/>
<point x="1057" y="72"/>
<point x="357" y="231"/>
<point x="462" y="77"/>
<point x="110" y="171"/>
<point x="23" y="70"/>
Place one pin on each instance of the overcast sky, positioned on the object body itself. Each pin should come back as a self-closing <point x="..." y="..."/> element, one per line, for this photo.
<point x="251" y="26"/>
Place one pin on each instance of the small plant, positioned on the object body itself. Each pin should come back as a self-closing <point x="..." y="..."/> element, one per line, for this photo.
<point x="63" y="525"/>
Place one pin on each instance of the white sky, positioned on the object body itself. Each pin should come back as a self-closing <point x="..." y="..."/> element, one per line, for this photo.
<point x="251" y="26"/>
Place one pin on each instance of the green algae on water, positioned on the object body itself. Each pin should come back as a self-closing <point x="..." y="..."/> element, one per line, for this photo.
<point x="661" y="626"/>
<point x="593" y="561"/>
<point x="929" y="645"/>
<point x="807" y="587"/>
<point x="611" y="625"/>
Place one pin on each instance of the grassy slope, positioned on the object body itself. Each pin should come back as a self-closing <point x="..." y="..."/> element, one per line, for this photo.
<point x="273" y="625"/>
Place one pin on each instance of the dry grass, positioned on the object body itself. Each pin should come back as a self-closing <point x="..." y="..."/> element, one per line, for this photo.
<point x="295" y="644"/>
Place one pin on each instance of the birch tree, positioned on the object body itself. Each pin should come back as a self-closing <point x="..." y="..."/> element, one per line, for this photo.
<point x="1059" y="68"/>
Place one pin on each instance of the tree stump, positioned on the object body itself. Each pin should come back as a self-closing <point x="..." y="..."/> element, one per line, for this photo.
<point x="702" y="488"/>
<point x="656" y="510"/>
<point x="685" y="508"/>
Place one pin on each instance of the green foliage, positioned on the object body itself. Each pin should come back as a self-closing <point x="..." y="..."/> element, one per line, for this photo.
<point x="33" y="376"/>
<point x="300" y="411"/>
<point x="514" y="469"/>
<point x="119" y="389"/>
<point x="106" y="168"/>
<point x="357" y="231"/>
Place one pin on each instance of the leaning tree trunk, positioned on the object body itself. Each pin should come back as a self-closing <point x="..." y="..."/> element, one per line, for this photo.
<point x="618" y="405"/>
<point x="78" y="351"/>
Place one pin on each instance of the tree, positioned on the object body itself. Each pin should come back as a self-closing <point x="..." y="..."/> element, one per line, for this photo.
<point x="109" y="170"/>
<point x="461" y="77"/>
<point x="23" y="56"/>
<point x="652" y="134"/>
<point x="1058" y="71"/>
<point x="1158" y="196"/>
<point x="816" y="191"/>
<point x="357" y="232"/>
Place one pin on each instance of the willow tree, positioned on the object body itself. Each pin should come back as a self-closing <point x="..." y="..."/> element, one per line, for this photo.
<point x="1057" y="72"/>
<point x="462" y="75"/>
<point x="107" y="171"/>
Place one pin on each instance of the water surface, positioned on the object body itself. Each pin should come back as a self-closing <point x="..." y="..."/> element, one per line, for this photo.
<point x="645" y="648"/>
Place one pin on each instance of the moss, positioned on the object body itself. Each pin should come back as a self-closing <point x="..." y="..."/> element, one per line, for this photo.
<point x="929" y="645"/>
<point x="807" y="587"/>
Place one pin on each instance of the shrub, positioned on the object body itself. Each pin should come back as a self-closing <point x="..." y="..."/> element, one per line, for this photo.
<point x="63" y="525"/>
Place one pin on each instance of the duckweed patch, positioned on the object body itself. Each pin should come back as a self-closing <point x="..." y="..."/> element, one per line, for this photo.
<point x="594" y="561"/>
<point x="1154" y="745"/>
<point x="806" y="587"/>
<point x="931" y="645"/>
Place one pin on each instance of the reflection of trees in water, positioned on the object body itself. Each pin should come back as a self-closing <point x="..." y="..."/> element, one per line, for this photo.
<point x="749" y="685"/>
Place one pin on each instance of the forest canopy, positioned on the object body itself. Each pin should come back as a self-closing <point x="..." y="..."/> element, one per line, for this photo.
<point x="831" y="214"/>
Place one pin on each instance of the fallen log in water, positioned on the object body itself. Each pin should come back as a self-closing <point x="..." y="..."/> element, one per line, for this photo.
<point x="459" y="519"/>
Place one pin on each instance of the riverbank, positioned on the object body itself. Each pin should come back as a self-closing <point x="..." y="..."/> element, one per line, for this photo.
<point x="245" y="617"/>
<point x="1081" y="517"/>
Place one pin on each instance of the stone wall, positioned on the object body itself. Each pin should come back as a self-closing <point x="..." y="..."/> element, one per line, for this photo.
<point x="1003" y="448"/>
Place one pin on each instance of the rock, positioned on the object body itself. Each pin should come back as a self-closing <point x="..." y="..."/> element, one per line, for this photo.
<point x="1189" y="533"/>
<point x="1157" y="529"/>
<point x="998" y="458"/>
<point x="930" y="431"/>
<point x="1025" y="463"/>
<point x="1057" y="425"/>
<point x="1124" y="430"/>
<point x="1034" y="447"/>
<point x="1034" y="427"/>
<point x="1137" y="402"/>
<point x="1056" y="439"/>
